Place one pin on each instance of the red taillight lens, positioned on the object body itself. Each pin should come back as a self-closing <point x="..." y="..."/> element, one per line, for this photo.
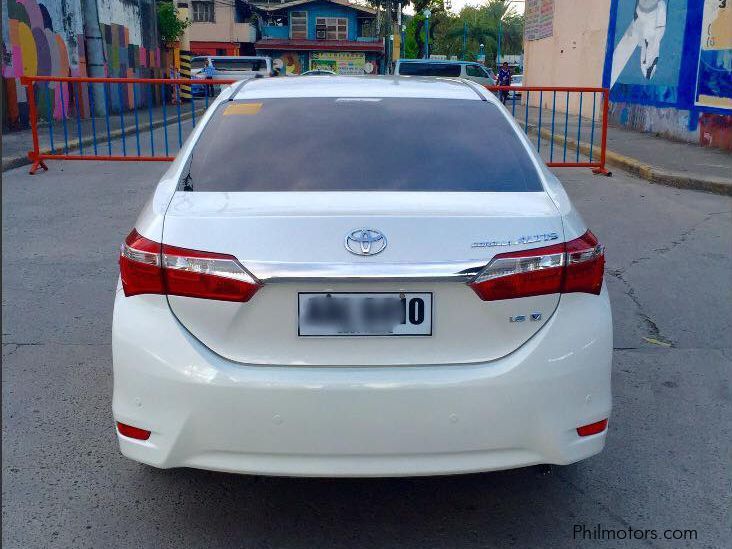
<point x="139" y="266"/>
<point x="206" y="275"/>
<point x="147" y="267"/>
<point x="585" y="265"/>
<point x="521" y="274"/>
<point x="132" y="432"/>
<point x="576" y="266"/>
<point x="592" y="428"/>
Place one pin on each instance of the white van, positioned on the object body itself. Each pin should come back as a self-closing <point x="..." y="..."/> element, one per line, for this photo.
<point x="236" y="67"/>
<point x="470" y="70"/>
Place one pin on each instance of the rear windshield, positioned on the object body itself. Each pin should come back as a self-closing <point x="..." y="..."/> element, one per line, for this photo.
<point x="429" y="69"/>
<point x="367" y="144"/>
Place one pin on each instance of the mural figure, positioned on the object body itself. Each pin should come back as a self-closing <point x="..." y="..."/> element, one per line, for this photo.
<point x="645" y="32"/>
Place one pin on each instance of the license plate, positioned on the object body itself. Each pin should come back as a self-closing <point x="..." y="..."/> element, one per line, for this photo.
<point x="365" y="314"/>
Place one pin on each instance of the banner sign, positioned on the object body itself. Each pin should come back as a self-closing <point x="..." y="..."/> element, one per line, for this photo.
<point x="538" y="19"/>
<point x="339" y="62"/>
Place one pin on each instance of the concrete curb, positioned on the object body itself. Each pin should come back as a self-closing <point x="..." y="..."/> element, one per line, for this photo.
<point x="22" y="160"/>
<point x="653" y="174"/>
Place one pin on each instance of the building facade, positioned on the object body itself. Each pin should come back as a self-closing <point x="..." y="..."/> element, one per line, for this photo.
<point x="221" y="28"/>
<point x="667" y="63"/>
<point x="335" y="35"/>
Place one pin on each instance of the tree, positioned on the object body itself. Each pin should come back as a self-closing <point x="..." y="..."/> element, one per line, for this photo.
<point x="479" y="25"/>
<point x="170" y="28"/>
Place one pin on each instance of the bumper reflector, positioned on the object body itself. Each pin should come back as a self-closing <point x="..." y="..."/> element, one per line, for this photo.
<point x="132" y="432"/>
<point x="592" y="428"/>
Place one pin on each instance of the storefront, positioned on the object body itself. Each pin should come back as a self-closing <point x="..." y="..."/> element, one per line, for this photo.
<point x="333" y="35"/>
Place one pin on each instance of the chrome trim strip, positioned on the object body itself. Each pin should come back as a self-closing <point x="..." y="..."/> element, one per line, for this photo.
<point x="274" y="271"/>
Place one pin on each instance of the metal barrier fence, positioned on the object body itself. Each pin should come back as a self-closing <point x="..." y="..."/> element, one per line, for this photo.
<point x="561" y="120"/>
<point x="117" y="118"/>
<point x="112" y="118"/>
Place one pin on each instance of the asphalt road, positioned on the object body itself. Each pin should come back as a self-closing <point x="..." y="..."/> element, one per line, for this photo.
<point x="64" y="484"/>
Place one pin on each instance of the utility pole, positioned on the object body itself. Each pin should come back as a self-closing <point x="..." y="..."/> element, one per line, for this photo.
<point x="185" y="53"/>
<point x="500" y="36"/>
<point x="426" y="14"/>
<point x="465" y="39"/>
<point x="94" y="48"/>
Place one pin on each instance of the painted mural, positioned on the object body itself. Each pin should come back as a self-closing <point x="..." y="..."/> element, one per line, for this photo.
<point x="40" y="37"/>
<point x="669" y="68"/>
<point x="46" y="37"/>
<point x="713" y="81"/>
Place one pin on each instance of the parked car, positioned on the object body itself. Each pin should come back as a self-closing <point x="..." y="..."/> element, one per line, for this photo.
<point x="516" y="82"/>
<point x="229" y="67"/>
<point x="469" y="70"/>
<point x="382" y="297"/>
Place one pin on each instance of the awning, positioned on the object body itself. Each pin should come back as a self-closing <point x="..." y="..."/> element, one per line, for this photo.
<point x="319" y="45"/>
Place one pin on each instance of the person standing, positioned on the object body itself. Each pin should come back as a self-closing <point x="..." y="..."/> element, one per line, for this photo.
<point x="209" y="71"/>
<point x="504" y="79"/>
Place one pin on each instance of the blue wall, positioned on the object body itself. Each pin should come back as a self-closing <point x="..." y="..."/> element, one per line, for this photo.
<point x="314" y="10"/>
<point x="676" y="96"/>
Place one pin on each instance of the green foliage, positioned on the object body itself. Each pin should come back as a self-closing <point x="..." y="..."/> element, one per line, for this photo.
<point x="481" y="26"/>
<point x="170" y="28"/>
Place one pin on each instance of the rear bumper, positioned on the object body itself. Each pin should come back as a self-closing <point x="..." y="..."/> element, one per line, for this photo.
<point x="207" y="412"/>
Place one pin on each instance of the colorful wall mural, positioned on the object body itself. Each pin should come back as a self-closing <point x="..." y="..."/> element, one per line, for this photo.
<point x="669" y="68"/>
<point x="40" y="37"/>
<point x="46" y="37"/>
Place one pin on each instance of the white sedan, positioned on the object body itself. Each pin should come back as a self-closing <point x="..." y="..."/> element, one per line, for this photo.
<point x="326" y="282"/>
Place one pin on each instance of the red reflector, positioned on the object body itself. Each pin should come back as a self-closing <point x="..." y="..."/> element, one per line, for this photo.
<point x="146" y="267"/>
<point x="132" y="432"/>
<point x="592" y="428"/>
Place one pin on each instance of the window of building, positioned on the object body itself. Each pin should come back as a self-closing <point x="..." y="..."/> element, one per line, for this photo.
<point x="299" y="24"/>
<point x="368" y="27"/>
<point x="336" y="28"/>
<point x="203" y="12"/>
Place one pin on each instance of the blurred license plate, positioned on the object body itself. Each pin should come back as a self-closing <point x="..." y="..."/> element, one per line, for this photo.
<point x="365" y="314"/>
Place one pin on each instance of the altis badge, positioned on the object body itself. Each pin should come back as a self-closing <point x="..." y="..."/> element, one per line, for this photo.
<point x="525" y="239"/>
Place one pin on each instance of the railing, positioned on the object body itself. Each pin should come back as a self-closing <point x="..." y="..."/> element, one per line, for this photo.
<point x="558" y="126"/>
<point x="142" y="119"/>
<point x="112" y="118"/>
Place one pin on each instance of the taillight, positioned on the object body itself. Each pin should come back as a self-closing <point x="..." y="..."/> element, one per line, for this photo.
<point x="585" y="265"/>
<point x="576" y="266"/>
<point x="146" y="267"/>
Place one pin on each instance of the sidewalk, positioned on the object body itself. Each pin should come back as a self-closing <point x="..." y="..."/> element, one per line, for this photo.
<point x="655" y="159"/>
<point x="15" y="145"/>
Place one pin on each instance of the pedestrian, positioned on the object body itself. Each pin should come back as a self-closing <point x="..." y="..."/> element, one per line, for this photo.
<point x="209" y="71"/>
<point x="504" y="79"/>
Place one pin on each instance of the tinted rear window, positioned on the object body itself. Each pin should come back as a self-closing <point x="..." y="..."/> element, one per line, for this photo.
<point x="239" y="64"/>
<point x="429" y="69"/>
<point x="346" y="144"/>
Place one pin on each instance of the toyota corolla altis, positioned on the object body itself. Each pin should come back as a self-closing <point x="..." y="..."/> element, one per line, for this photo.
<point x="352" y="276"/>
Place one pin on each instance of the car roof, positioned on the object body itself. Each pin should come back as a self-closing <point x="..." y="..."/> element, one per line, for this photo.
<point x="230" y="57"/>
<point x="440" y="61"/>
<point x="359" y="86"/>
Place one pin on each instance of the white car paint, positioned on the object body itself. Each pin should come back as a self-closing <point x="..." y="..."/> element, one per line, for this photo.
<point x="230" y="386"/>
